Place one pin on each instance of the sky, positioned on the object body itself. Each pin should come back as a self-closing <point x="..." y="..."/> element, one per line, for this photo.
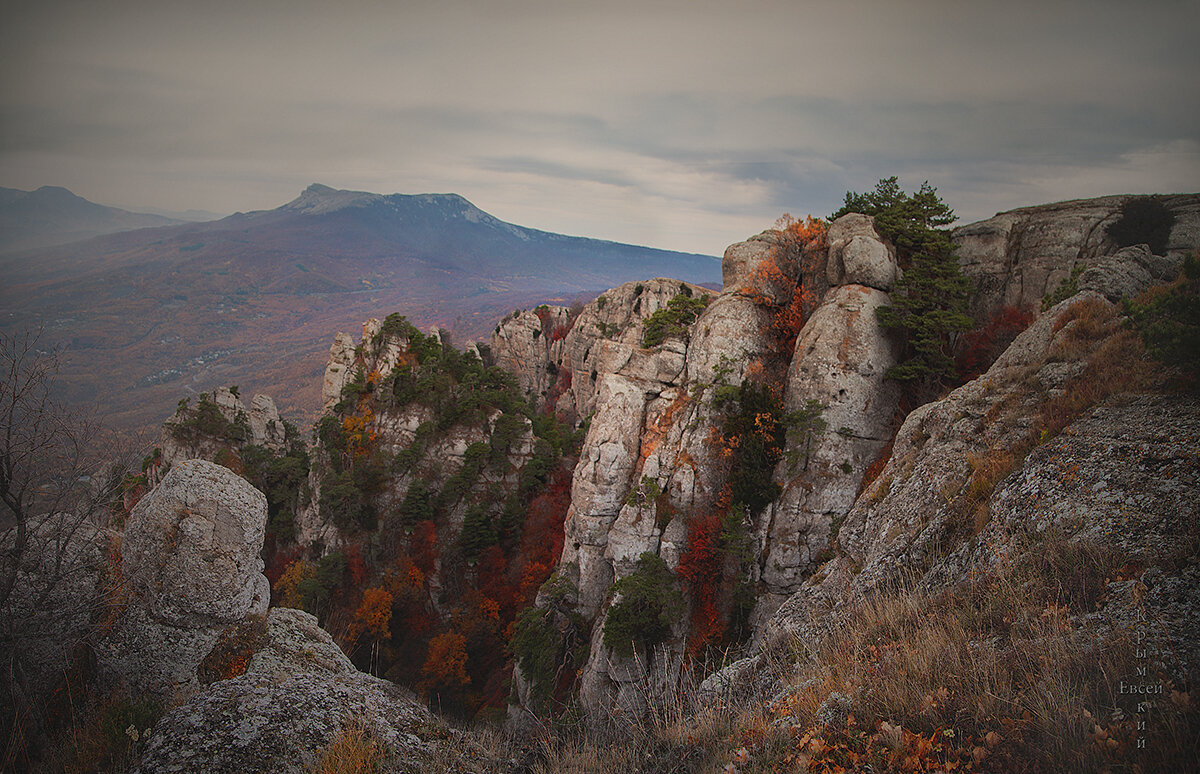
<point x="682" y="125"/>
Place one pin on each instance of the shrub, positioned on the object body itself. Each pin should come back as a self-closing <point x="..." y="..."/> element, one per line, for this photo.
<point x="341" y="501"/>
<point x="673" y="320"/>
<point x="1144" y="220"/>
<point x="1168" y="320"/>
<point x="536" y="645"/>
<point x="352" y="751"/>
<point x="1068" y="287"/>
<point x="648" y="605"/>
<point x="207" y="421"/>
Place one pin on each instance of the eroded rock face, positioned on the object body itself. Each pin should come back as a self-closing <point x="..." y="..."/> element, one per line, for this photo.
<point x="840" y="362"/>
<point x="337" y="371"/>
<point x="528" y="347"/>
<point x="1128" y="273"/>
<point x="191" y="560"/>
<point x="1017" y="257"/>
<point x="1122" y="475"/>
<point x="297" y="695"/>
<point x="604" y="338"/>
<point x="858" y="255"/>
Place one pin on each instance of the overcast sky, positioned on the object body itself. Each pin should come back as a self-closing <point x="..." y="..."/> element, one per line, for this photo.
<point x="684" y="125"/>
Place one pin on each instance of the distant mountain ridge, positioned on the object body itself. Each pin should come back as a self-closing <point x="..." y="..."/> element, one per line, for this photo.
<point x="149" y="316"/>
<point x="52" y="215"/>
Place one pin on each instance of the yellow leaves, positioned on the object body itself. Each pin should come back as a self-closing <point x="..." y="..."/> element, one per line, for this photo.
<point x="287" y="588"/>
<point x="360" y="436"/>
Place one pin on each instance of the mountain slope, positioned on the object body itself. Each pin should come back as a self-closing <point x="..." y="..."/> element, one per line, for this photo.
<point x="148" y="316"/>
<point x="52" y="215"/>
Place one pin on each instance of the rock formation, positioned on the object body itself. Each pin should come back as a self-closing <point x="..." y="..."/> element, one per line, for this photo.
<point x="1019" y="256"/>
<point x="259" y="425"/>
<point x="649" y="463"/>
<point x="296" y="696"/>
<point x="190" y="558"/>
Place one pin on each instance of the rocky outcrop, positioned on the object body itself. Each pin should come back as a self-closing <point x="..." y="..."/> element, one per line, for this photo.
<point x="841" y="358"/>
<point x="561" y="367"/>
<point x="1129" y="272"/>
<point x="978" y="478"/>
<point x="1017" y="257"/>
<point x="858" y="255"/>
<point x="190" y="558"/>
<point x="260" y="425"/>
<point x="338" y="371"/>
<point x="528" y="345"/>
<point x="297" y="695"/>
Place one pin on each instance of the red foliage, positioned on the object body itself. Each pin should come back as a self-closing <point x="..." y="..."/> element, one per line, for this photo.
<point x="355" y="566"/>
<point x="702" y="567"/>
<point x="280" y="561"/>
<point x="979" y="349"/>
<point x="875" y="468"/>
<point x="559" y="333"/>
<point x="542" y="538"/>
<point x="424" y="546"/>
<point x="557" y="390"/>
<point x="491" y="574"/>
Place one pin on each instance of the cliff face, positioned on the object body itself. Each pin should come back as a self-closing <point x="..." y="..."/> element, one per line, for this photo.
<point x="657" y="459"/>
<point x="1017" y="257"/>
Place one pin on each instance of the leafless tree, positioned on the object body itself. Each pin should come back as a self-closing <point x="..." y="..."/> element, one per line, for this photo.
<point x="59" y="476"/>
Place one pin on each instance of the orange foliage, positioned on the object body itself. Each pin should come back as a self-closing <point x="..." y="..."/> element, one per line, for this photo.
<point x="360" y="438"/>
<point x="287" y="588"/>
<point x="446" y="664"/>
<point x="372" y="618"/>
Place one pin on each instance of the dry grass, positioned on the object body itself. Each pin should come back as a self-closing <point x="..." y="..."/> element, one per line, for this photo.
<point x="353" y="751"/>
<point x="990" y="676"/>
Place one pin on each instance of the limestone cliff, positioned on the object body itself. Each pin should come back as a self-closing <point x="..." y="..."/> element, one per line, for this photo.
<point x="656" y="460"/>
<point x="1019" y="256"/>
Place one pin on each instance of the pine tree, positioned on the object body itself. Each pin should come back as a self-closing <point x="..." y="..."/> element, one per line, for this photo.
<point x="929" y="304"/>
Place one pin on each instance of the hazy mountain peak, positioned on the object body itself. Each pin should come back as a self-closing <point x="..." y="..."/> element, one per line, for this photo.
<point x="52" y="215"/>
<point x="319" y="199"/>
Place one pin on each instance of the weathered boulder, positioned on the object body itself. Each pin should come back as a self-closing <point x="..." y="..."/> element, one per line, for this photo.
<point x="858" y="255"/>
<point x="766" y="265"/>
<point x="298" y="694"/>
<point x="266" y="428"/>
<point x="191" y="560"/>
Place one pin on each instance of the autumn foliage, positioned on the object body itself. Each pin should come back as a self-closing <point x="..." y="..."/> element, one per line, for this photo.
<point x="978" y="349"/>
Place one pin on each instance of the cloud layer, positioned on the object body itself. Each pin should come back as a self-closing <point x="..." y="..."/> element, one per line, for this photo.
<point x="680" y="125"/>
